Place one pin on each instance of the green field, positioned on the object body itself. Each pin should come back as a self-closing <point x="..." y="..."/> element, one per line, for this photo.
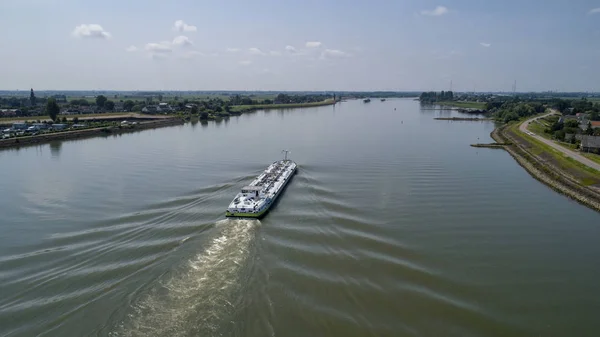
<point x="466" y="105"/>
<point x="592" y="156"/>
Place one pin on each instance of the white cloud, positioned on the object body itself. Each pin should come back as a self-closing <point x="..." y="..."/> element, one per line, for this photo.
<point x="246" y="62"/>
<point x="274" y="53"/>
<point x="438" y="11"/>
<point x="182" y="41"/>
<point x="487" y="45"/>
<point x="290" y="49"/>
<point x="193" y="54"/>
<point x="255" y="51"/>
<point x="90" y="31"/>
<point x="181" y="26"/>
<point x="334" y="53"/>
<point x="313" y="44"/>
<point x="594" y="11"/>
<point x="233" y="50"/>
<point x="131" y="48"/>
<point x="159" y="48"/>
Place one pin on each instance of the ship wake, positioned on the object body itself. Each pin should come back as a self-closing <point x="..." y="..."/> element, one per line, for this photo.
<point x="198" y="299"/>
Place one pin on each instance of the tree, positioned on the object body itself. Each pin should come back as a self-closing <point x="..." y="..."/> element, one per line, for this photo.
<point x="109" y="105"/>
<point x="589" y="130"/>
<point x="194" y="110"/>
<point x="204" y="115"/>
<point x="52" y="108"/>
<point x="75" y="120"/>
<point x="571" y="123"/>
<point x="100" y="100"/>
<point x="128" y="105"/>
<point x="32" y="97"/>
<point x="160" y="97"/>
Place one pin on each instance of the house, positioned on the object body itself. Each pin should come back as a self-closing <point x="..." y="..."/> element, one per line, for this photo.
<point x="119" y="106"/>
<point x="10" y="112"/>
<point x="59" y="126"/>
<point x="149" y="109"/>
<point x="41" y="126"/>
<point x="20" y="126"/>
<point x="590" y="144"/>
<point x="165" y="107"/>
<point x="70" y="111"/>
<point x="595" y="124"/>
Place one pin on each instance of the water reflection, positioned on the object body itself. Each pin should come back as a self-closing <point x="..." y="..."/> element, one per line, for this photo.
<point x="55" y="148"/>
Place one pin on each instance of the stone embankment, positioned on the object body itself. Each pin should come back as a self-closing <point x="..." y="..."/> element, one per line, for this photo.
<point x="547" y="174"/>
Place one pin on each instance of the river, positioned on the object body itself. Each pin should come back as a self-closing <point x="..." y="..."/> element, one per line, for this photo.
<point x="393" y="226"/>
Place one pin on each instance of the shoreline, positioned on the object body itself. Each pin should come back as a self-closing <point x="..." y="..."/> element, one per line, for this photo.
<point x="239" y="109"/>
<point x="87" y="133"/>
<point x="474" y="119"/>
<point x="546" y="173"/>
<point x="145" y="122"/>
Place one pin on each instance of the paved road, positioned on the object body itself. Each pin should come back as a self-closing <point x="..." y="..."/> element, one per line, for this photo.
<point x="567" y="152"/>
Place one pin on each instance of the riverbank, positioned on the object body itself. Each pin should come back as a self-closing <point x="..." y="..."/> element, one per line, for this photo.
<point x="86" y="133"/>
<point x="143" y="122"/>
<point x="560" y="173"/>
<point x="249" y="108"/>
<point x="463" y="104"/>
<point x="475" y="119"/>
<point x="84" y="117"/>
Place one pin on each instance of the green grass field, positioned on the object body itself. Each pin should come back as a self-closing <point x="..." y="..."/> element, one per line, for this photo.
<point x="592" y="156"/>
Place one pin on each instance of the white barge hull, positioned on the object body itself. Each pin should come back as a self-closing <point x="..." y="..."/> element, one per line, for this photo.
<point x="255" y="200"/>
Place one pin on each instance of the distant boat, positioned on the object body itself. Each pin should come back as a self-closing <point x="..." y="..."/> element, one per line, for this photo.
<point x="367" y="100"/>
<point x="383" y="99"/>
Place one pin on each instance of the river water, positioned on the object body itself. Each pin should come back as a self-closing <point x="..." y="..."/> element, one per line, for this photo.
<point x="393" y="226"/>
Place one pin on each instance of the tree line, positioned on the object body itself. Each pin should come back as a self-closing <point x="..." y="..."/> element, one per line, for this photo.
<point x="432" y="96"/>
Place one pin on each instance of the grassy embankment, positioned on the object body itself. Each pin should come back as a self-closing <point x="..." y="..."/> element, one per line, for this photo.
<point x="540" y="125"/>
<point x="245" y="108"/>
<point x="538" y="128"/>
<point x="581" y="173"/>
<point x="466" y="105"/>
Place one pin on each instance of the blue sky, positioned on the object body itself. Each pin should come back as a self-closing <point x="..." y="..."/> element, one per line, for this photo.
<point x="300" y="45"/>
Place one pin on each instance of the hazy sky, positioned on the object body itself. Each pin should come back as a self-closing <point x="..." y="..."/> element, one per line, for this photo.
<point x="300" y="45"/>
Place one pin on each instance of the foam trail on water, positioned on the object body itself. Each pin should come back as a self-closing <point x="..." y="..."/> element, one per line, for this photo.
<point x="197" y="300"/>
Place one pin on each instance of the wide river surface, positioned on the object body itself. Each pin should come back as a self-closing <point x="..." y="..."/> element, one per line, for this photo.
<point x="393" y="226"/>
